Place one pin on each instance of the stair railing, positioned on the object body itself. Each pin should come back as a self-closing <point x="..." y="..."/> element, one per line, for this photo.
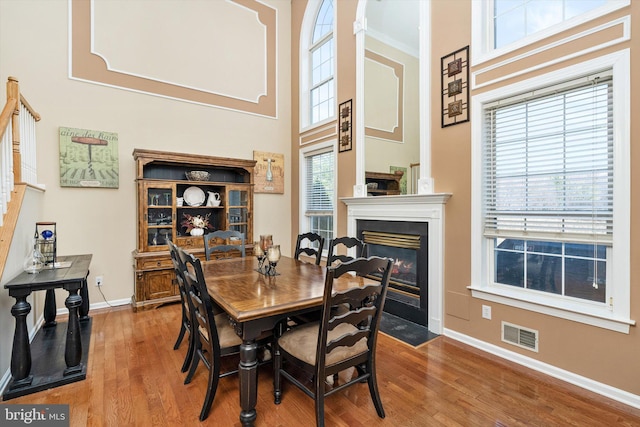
<point x="17" y="144"/>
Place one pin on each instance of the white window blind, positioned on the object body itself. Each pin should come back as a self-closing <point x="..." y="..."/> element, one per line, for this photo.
<point x="319" y="184"/>
<point x="548" y="163"/>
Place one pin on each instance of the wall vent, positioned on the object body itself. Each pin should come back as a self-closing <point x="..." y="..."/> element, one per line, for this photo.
<point x="522" y="337"/>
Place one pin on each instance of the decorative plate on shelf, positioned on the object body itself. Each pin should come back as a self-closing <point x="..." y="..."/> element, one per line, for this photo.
<point x="194" y="196"/>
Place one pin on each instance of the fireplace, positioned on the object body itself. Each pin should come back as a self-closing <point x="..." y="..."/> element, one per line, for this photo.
<point x="425" y="214"/>
<point x="406" y="243"/>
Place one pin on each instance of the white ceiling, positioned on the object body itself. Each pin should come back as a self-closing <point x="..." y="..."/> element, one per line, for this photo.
<point x="395" y="22"/>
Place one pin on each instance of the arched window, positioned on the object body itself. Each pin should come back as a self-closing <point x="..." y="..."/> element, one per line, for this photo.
<point x="321" y="87"/>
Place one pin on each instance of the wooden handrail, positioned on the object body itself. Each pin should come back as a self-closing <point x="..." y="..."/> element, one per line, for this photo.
<point x="26" y="104"/>
<point x="7" y="114"/>
<point x="10" y="220"/>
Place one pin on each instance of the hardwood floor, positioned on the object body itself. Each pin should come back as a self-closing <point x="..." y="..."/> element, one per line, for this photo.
<point x="134" y="379"/>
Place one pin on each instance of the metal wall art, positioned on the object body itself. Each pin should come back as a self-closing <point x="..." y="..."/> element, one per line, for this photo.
<point x="269" y="172"/>
<point x="455" y="87"/>
<point x="344" y="126"/>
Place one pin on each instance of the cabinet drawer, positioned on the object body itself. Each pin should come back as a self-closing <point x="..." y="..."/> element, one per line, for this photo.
<point x="148" y="264"/>
<point x="190" y="242"/>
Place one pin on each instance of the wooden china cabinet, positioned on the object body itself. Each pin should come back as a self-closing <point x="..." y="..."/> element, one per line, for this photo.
<point x="386" y="184"/>
<point x="167" y="194"/>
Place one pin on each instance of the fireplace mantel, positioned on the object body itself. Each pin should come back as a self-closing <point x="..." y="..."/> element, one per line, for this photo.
<point x="427" y="208"/>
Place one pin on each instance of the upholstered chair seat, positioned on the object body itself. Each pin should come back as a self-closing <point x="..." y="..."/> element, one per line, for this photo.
<point x="302" y="343"/>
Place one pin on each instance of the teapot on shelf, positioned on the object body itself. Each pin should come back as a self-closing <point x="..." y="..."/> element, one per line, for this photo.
<point x="213" y="199"/>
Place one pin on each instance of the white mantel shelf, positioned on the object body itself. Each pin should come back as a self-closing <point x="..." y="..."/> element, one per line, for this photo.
<point x="427" y="208"/>
<point x="407" y="199"/>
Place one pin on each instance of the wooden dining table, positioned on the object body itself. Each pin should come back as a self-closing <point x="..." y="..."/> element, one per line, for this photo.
<point x="257" y="303"/>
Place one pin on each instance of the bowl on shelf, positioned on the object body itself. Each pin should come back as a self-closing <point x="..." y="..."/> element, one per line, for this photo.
<point x="197" y="175"/>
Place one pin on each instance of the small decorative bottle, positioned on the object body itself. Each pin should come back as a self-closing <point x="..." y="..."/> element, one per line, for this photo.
<point x="34" y="262"/>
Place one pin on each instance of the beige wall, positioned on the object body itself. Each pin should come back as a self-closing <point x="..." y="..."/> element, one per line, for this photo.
<point x="610" y="358"/>
<point x="602" y="355"/>
<point x="34" y="47"/>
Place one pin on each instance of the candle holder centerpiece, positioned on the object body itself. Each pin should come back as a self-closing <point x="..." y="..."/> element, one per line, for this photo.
<point x="273" y="255"/>
<point x="268" y="255"/>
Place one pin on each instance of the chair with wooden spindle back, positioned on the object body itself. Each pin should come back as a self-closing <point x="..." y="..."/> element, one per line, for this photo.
<point x="185" y="318"/>
<point x="348" y="243"/>
<point x="312" y="248"/>
<point x="338" y="341"/>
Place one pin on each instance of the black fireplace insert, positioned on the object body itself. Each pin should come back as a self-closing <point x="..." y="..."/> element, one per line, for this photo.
<point x="406" y="243"/>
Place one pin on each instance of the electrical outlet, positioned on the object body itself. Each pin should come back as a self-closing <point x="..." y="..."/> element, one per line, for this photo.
<point x="486" y="312"/>
<point x="99" y="280"/>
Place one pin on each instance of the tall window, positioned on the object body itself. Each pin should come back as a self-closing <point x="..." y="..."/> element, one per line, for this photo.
<point x="319" y="169"/>
<point x="550" y="199"/>
<point x="322" y="65"/>
<point x="514" y="20"/>
<point x="549" y="188"/>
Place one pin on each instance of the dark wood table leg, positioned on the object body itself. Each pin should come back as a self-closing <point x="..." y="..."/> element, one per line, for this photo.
<point x="84" y="307"/>
<point x="50" y="309"/>
<point x="277" y="362"/>
<point x="73" y="346"/>
<point x="248" y="368"/>
<point x="21" y="351"/>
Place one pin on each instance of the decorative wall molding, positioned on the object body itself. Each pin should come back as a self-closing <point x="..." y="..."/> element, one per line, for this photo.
<point x="324" y="132"/>
<point x="91" y="60"/>
<point x="608" y="34"/>
<point x="395" y="132"/>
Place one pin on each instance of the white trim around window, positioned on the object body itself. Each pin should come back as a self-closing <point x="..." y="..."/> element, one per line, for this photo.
<point x="615" y="314"/>
<point x="306" y="151"/>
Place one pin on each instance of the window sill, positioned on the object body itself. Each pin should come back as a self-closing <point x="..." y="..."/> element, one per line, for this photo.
<point x="610" y="322"/>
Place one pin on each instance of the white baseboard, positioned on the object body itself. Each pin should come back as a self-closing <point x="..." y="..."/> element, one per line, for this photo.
<point x="570" y="377"/>
<point x="98" y="305"/>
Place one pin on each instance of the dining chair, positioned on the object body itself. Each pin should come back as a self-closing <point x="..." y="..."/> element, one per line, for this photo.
<point x="338" y="341"/>
<point x="185" y="319"/>
<point x="347" y="243"/>
<point x="216" y="241"/>
<point x="332" y="257"/>
<point x="215" y="338"/>
<point x="309" y="249"/>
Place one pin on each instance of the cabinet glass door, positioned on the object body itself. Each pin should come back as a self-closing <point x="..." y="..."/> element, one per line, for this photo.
<point x="159" y="218"/>
<point x="238" y="210"/>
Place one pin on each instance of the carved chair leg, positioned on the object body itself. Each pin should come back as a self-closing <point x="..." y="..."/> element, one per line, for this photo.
<point x="180" y="337"/>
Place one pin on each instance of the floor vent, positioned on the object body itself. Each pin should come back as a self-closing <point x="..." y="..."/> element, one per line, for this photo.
<point x="522" y="337"/>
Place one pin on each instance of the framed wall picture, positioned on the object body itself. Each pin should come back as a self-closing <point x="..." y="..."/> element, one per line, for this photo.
<point x="345" y="125"/>
<point x="88" y="158"/>
<point x="454" y="69"/>
<point x="269" y="172"/>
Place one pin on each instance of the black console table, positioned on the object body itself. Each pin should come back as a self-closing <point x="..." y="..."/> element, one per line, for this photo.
<point x="71" y="276"/>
